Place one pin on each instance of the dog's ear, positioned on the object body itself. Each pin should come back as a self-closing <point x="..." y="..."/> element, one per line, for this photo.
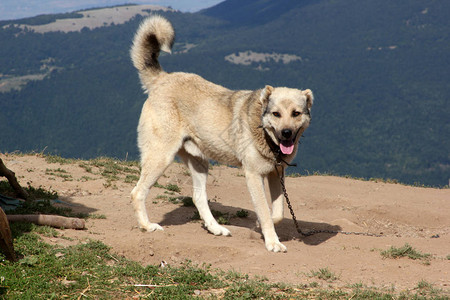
<point x="309" y="98"/>
<point x="265" y="95"/>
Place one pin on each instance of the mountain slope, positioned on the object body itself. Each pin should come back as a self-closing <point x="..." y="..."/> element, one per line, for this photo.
<point x="379" y="71"/>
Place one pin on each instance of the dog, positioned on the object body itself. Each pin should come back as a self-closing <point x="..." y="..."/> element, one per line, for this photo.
<point x="196" y="120"/>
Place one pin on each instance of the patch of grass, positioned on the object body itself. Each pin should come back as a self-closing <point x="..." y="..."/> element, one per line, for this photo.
<point x="324" y="274"/>
<point x="424" y="285"/>
<point x="45" y="230"/>
<point x="96" y="216"/>
<point x="90" y="270"/>
<point x="54" y="159"/>
<point x="131" y="178"/>
<point x="405" y="251"/>
<point x="41" y="193"/>
<point x="86" y="167"/>
<point x="169" y="187"/>
<point x="41" y="207"/>
<point x="221" y="218"/>
<point x="161" y="197"/>
<point x="59" y="173"/>
<point x="86" y="178"/>
<point x="242" y="213"/>
<point x="172" y="188"/>
<point x="110" y="169"/>
<point x="33" y="193"/>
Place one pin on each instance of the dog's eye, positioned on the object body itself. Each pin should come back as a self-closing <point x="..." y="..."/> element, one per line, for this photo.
<point x="276" y="114"/>
<point x="296" y="113"/>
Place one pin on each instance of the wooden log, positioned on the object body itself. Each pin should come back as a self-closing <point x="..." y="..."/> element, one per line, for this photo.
<point x="49" y="220"/>
<point x="11" y="176"/>
<point x="6" y="242"/>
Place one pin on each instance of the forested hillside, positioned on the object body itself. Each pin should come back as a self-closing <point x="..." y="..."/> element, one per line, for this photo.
<point x="379" y="71"/>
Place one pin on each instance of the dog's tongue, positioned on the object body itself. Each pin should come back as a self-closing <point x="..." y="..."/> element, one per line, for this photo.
<point x="286" y="147"/>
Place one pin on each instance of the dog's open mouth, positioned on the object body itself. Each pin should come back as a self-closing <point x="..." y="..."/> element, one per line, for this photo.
<point x="287" y="146"/>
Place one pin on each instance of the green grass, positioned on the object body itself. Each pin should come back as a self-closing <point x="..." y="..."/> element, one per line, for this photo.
<point x="44" y="207"/>
<point x="324" y="274"/>
<point x="109" y="169"/>
<point x="91" y="271"/>
<point x="169" y="187"/>
<point x="242" y="213"/>
<point x="221" y="218"/>
<point x="59" y="173"/>
<point x="405" y="251"/>
<point x="41" y="203"/>
<point x="33" y="193"/>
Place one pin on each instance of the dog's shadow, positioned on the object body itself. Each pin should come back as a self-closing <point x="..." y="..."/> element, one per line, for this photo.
<point x="285" y="229"/>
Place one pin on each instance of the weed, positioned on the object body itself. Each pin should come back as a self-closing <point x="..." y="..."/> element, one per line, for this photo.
<point x="86" y="178"/>
<point x="59" y="173"/>
<point x="424" y="285"/>
<point x="221" y="218"/>
<point x="405" y="251"/>
<point x="96" y="216"/>
<point x="161" y="197"/>
<point x="242" y="213"/>
<point x="169" y="187"/>
<point x="172" y="187"/>
<point x="86" y="167"/>
<point x="131" y="178"/>
<point x="324" y="274"/>
<point x="54" y="159"/>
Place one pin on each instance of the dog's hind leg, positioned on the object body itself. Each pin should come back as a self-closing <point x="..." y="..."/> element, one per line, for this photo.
<point x="153" y="166"/>
<point x="199" y="172"/>
<point x="276" y="194"/>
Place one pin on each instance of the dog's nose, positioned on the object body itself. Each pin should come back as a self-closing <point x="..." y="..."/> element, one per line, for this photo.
<point x="286" y="133"/>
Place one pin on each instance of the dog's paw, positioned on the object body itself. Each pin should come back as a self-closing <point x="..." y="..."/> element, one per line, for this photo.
<point x="276" y="247"/>
<point x="150" y="227"/>
<point x="218" y="230"/>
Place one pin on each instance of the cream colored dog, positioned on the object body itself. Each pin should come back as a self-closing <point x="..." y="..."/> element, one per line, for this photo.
<point x="197" y="120"/>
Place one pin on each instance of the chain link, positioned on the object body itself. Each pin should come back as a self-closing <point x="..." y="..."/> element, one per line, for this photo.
<point x="316" y="231"/>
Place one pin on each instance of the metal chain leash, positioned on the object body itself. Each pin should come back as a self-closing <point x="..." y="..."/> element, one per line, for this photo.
<point x="316" y="231"/>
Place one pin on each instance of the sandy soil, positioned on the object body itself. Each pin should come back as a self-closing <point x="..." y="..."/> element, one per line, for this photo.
<point x="402" y="214"/>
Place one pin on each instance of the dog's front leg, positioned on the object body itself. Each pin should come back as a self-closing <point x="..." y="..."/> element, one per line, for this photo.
<point x="255" y="186"/>
<point x="276" y="193"/>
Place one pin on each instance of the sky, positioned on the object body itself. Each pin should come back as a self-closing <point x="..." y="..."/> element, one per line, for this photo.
<point x="16" y="9"/>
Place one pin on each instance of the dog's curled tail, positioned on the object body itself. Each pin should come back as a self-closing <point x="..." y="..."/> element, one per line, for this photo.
<point x="154" y="34"/>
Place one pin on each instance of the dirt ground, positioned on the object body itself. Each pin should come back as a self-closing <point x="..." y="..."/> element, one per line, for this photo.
<point x="402" y="214"/>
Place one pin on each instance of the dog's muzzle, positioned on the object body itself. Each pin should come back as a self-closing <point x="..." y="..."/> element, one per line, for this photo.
<point x="286" y="141"/>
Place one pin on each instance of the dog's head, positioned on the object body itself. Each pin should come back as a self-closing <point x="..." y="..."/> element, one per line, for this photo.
<point x="286" y="114"/>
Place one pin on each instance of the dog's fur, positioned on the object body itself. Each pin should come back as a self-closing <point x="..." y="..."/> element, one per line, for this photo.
<point x="197" y="120"/>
